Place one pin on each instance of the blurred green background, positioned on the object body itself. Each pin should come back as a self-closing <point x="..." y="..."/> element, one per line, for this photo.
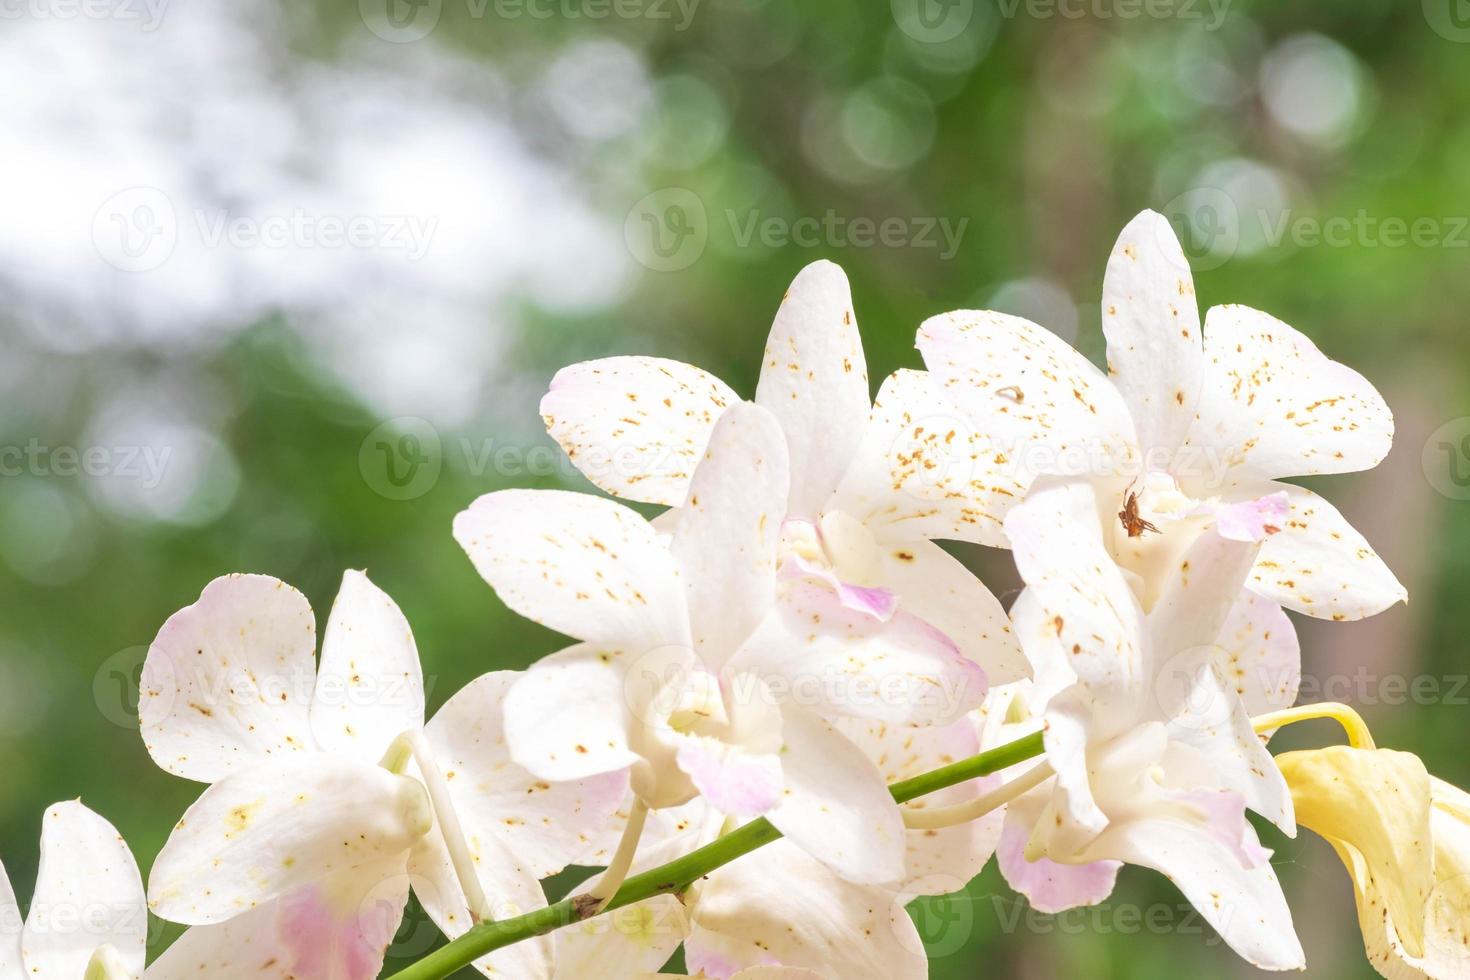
<point x="647" y="178"/>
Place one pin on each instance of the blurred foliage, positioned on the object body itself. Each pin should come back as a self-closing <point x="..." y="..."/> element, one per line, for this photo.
<point x="1042" y="134"/>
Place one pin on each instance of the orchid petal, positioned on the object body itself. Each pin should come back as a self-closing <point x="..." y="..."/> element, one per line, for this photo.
<point x="1218" y="873"/>
<point x="1277" y="406"/>
<point x="581" y="565"/>
<point x="1151" y="322"/>
<point x="1196" y="599"/>
<point x="340" y="927"/>
<point x="630" y="941"/>
<point x="1257" y="653"/>
<point x="546" y="825"/>
<point x="1043" y="403"/>
<point x="228" y="681"/>
<point x="1049" y="886"/>
<point x="758" y="911"/>
<point x="814" y="379"/>
<point x="843" y="662"/>
<point x="734" y="781"/>
<point x="10" y="930"/>
<point x="636" y="426"/>
<point x="569" y="716"/>
<point x="937" y="588"/>
<point x="728" y="530"/>
<point x="1252" y="520"/>
<point x="1211" y="720"/>
<point x="1088" y="616"/>
<point x="370" y="686"/>
<point x="1378" y="804"/>
<point x="88" y="893"/>
<point x="1319" y="565"/>
<point x="836" y="806"/>
<point x="264" y="832"/>
<point x="248" y="945"/>
<point x="925" y="470"/>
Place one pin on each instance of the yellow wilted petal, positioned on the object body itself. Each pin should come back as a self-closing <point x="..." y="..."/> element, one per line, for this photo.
<point x="1447" y="914"/>
<point x="1374" y="803"/>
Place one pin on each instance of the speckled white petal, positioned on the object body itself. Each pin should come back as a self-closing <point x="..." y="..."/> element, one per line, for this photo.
<point x="582" y="565"/>
<point x="1274" y="405"/>
<point x="1196" y="598"/>
<point x="1071" y="729"/>
<point x="815" y="380"/>
<point x="836" y="806"/>
<point x="511" y="889"/>
<point x="88" y="893"/>
<point x="1319" y="565"/>
<point x="10" y="929"/>
<point x="569" y="716"/>
<point x="338" y="928"/>
<point x="636" y="426"/>
<point x="258" y="834"/>
<point x="758" y="912"/>
<point x="936" y="587"/>
<point x="841" y="662"/>
<point x="241" y="948"/>
<point x="727" y="532"/>
<point x="1257" y="654"/>
<point x="1083" y="612"/>
<point x="1243" y="904"/>
<point x="1213" y="723"/>
<point x="546" y="825"/>
<point x="1043" y="403"/>
<point x="925" y="470"/>
<point x="370" y="686"/>
<point x="227" y="683"/>
<point x="631" y="941"/>
<point x="937" y="861"/>
<point x="1151" y="321"/>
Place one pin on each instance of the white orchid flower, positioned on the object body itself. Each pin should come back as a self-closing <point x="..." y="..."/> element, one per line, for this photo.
<point x="88" y="918"/>
<point x="1154" y="758"/>
<point x="297" y="860"/>
<point x="1193" y="430"/>
<point x="690" y="673"/>
<point x="637" y="427"/>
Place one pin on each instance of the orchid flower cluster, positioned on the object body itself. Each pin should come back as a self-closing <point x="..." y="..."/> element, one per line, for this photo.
<point x="761" y="672"/>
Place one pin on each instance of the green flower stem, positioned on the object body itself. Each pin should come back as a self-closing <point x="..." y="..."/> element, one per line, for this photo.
<point x="680" y="873"/>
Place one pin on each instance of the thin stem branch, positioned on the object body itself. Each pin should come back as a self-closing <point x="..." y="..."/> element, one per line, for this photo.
<point x="680" y="873"/>
<point x="1359" y="737"/>
<point x="412" y="744"/>
<point x="950" y="816"/>
<point x="617" y="870"/>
